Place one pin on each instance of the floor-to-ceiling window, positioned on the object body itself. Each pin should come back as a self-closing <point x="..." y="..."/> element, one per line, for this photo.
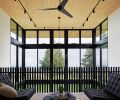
<point x="16" y="42"/>
<point x="102" y="44"/>
<point x="13" y="29"/>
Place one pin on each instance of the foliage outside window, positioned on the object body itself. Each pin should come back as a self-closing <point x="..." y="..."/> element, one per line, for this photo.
<point x="58" y="58"/>
<point x="86" y="57"/>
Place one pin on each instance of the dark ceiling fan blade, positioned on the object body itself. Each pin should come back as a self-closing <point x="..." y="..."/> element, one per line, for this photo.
<point x="66" y="12"/>
<point x="63" y="3"/>
<point x="48" y="9"/>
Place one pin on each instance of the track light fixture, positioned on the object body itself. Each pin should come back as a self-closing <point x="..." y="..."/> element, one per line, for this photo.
<point x="87" y="19"/>
<point x="26" y="12"/>
<point x="15" y="0"/>
<point x="30" y="19"/>
<point x="93" y="11"/>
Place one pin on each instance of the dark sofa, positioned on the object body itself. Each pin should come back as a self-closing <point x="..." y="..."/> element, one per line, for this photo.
<point x="110" y="92"/>
<point x="23" y="94"/>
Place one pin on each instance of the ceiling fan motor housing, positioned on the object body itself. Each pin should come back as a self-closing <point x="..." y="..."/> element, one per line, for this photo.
<point x="60" y="7"/>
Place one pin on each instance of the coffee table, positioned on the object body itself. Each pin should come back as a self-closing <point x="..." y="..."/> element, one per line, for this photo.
<point x="63" y="98"/>
<point x="55" y="96"/>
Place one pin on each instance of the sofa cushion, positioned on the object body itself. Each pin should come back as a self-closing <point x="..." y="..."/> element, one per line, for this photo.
<point x="7" y="91"/>
<point x="99" y="95"/>
<point x="113" y="85"/>
<point x="4" y="78"/>
<point x="28" y="93"/>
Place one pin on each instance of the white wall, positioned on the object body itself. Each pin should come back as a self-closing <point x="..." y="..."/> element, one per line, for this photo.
<point x="4" y="39"/>
<point x="114" y="38"/>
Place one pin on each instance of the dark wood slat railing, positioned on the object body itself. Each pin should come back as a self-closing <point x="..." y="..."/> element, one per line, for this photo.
<point x="78" y="78"/>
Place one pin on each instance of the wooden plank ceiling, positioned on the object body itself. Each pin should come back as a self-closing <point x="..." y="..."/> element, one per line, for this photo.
<point x="80" y="10"/>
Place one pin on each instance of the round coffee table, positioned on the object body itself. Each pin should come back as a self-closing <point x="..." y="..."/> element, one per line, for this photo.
<point x="55" y="96"/>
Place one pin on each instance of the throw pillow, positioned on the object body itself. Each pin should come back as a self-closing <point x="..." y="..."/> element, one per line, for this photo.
<point x="7" y="91"/>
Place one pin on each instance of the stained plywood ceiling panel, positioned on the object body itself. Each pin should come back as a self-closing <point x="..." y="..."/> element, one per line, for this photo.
<point x="80" y="10"/>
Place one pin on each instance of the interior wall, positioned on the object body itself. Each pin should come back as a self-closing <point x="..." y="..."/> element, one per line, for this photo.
<point x="4" y="39"/>
<point x="114" y="38"/>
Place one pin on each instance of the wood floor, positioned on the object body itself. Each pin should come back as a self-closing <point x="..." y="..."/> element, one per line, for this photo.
<point x="79" y="96"/>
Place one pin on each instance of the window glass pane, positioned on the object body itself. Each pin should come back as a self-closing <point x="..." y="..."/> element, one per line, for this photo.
<point x="97" y="57"/>
<point x="44" y="37"/>
<point x="43" y="58"/>
<point x="31" y="37"/>
<point x="73" y="37"/>
<point x="19" y="34"/>
<point x="86" y="58"/>
<point x="73" y="58"/>
<point x="105" y="29"/>
<point x="86" y="37"/>
<point x="20" y="57"/>
<point x="105" y="55"/>
<point x="13" y="55"/>
<point x="59" y="37"/>
<point x="98" y="34"/>
<point x="13" y="29"/>
<point x="31" y="58"/>
<point x="58" y="57"/>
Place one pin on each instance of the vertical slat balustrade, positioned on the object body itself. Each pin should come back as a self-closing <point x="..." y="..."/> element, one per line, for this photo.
<point x="78" y="78"/>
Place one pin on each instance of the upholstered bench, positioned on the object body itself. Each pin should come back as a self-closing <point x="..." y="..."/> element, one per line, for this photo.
<point x="23" y="94"/>
<point x="110" y="92"/>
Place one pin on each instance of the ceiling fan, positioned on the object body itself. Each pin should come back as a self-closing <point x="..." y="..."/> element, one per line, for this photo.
<point x="60" y="8"/>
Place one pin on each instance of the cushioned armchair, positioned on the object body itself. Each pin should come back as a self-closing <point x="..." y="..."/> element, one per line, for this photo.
<point x="23" y="94"/>
<point x="110" y="92"/>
